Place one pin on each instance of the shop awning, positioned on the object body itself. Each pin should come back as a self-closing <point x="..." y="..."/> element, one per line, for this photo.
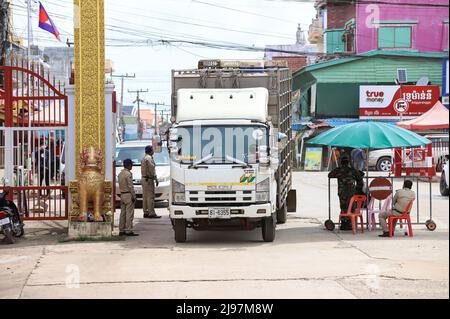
<point x="435" y="119"/>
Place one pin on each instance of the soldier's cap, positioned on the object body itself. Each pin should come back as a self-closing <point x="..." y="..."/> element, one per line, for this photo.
<point x="149" y="149"/>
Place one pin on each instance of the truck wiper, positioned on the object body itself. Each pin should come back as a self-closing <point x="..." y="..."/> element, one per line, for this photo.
<point x="202" y="161"/>
<point x="238" y="162"/>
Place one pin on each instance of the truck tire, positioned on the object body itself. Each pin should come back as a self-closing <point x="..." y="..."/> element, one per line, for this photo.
<point x="179" y="227"/>
<point x="292" y="201"/>
<point x="443" y="186"/>
<point x="282" y="215"/>
<point x="268" y="229"/>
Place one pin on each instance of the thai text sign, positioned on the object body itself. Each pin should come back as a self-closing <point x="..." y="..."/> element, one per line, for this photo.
<point x="380" y="102"/>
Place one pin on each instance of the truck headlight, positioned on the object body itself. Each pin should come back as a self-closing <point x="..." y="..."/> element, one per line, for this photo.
<point x="263" y="186"/>
<point x="178" y="192"/>
<point x="177" y="187"/>
<point x="263" y="191"/>
<point x="262" y="197"/>
<point x="179" y="198"/>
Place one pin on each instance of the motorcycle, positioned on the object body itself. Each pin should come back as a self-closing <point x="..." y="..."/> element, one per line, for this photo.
<point x="11" y="224"/>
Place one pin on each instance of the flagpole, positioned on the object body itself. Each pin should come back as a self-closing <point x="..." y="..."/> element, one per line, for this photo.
<point x="30" y="30"/>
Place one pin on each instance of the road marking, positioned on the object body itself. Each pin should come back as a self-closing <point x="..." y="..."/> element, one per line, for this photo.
<point x="13" y="260"/>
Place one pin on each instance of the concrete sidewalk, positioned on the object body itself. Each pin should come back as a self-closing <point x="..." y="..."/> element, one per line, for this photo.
<point x="305" y="261"/>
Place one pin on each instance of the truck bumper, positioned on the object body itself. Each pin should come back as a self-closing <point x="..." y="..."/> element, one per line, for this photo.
<point x="252" y="211"/>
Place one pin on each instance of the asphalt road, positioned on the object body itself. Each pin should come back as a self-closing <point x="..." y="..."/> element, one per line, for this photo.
<point x="305" y="261"/>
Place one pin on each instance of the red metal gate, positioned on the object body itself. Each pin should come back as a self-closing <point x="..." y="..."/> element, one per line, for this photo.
<point x="33" y="128"/>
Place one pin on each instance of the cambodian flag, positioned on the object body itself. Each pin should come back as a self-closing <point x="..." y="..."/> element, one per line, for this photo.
<point x="46" y="23"/>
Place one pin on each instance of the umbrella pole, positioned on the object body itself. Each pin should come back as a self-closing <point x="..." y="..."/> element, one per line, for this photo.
<point x="329" y="199"/>
<point x="367" y="185"/>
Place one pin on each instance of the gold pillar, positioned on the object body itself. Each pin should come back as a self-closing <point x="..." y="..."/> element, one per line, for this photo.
<point x="89" y="77"/>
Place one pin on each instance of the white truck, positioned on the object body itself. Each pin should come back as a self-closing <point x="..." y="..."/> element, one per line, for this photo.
<point x="231" y="148"/>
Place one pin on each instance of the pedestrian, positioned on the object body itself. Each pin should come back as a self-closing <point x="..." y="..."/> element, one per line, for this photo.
<point x="358" y="159"/>
<point x="149" y="182"/>
<point x="401" y="201"/>
<point x="42" y="163"/>
<point x="127" y="200"/>
<point x="350" y="182"/>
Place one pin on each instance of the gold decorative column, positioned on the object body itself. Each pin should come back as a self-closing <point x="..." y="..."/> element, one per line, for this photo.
<point x="91" y="194"/>
<point x="89" y="77"/>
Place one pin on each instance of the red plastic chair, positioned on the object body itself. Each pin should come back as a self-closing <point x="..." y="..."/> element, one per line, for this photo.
<point x="405" y="217"/>
<point x="360" y="200"/>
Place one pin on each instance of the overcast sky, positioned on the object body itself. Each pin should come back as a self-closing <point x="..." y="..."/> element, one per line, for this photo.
<point x="135" y="26"/>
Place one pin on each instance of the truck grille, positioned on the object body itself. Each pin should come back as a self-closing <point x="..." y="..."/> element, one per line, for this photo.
<point x="199" y="197"/>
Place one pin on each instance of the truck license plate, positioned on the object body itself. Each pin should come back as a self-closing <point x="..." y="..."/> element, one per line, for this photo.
<point x="220" y="213"/>
<point x="5" y="221"/>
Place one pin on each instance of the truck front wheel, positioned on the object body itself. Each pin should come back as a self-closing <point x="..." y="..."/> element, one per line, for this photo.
<point x="282" y="215"/>
<point x="179" y="227"/>
<point x="268" y="229"/>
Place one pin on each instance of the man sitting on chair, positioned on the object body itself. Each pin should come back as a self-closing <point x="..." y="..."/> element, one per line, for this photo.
<point x="401" y="201"/>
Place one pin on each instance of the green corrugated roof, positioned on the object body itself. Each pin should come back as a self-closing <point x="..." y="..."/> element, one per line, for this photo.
<point x="393" y="53"/>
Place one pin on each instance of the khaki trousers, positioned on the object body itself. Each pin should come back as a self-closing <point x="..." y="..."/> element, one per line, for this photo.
<point x="384" y="219"/>
<point x="148" y="189"/>
<point x="126" y="213"/>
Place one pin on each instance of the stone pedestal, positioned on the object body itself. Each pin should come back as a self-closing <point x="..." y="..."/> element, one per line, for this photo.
<point x="90" y="230"/>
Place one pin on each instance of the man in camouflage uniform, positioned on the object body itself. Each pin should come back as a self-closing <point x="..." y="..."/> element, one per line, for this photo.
<point x="350" y="182"/>
<point x="149" y="180"/>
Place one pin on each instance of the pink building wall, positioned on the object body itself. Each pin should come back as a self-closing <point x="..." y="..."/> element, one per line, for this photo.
<point x="430" y="34"/>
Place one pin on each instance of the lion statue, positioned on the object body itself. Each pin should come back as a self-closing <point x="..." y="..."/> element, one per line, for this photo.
<point x="91" y="184"/>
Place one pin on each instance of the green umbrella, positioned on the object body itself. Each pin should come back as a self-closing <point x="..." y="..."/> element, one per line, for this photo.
<point x="370" y="135"/>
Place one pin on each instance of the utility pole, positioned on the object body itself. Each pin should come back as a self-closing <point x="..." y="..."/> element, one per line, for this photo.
<point x="122" y="77"/>
<point x="4" y="6"/>
<point x="156" y="114"/>
<point x="30" y="33"/>
<point x="138" y="100"/>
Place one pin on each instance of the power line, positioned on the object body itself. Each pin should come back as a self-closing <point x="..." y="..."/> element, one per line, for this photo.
<point x="243" y="11"/>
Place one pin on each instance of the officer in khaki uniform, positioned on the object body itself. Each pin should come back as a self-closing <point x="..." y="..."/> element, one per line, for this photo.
<point x="127" y="199"/>
<point x="149" y="181"/>
<point x="401" y="201"/>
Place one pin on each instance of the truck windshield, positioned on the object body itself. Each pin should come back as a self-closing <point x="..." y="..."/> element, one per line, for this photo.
<point x="207" y="145"/>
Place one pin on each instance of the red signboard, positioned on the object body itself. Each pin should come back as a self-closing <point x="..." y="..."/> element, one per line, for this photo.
<point x="393" y="101"/>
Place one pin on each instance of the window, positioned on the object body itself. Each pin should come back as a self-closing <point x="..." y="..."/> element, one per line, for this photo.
<point x="394" y="37"/>
<point x="335" y="44"/>
<point x="349" y="42"/>
<point x="136" y="154"/>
